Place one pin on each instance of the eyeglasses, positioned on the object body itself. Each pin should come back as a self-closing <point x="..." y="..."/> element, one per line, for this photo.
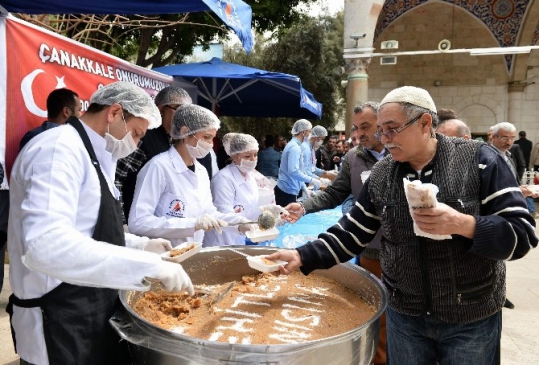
<point x="506" y="139"/>
<point x="171" y="107"/>
<point x="390" y="133"/>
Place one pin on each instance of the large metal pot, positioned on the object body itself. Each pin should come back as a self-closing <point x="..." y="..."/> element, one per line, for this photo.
<point x="151" y="345"/>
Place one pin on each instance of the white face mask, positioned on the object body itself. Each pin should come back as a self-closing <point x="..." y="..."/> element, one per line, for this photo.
<point x="317" y="144"/>
<point x="307" y="137"/>
<point x="200" y="150"/>
<point x="120" y="148"/>
<point x="247" y="166"/>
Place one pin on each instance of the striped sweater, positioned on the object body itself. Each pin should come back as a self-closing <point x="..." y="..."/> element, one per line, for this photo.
<point x="458" y="280"/>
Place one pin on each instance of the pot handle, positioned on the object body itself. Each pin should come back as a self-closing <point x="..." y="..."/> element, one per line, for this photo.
<point x="123" y="324"/>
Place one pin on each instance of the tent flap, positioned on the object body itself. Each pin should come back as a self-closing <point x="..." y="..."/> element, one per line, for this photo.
<point x="234" y="13"/>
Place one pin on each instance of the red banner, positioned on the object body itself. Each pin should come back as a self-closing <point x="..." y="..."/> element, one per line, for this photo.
<point x="36" y="62"/>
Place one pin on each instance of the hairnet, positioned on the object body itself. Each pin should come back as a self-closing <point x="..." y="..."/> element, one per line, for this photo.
<point x="412" y="95"/>
<point x="239" y="142"/>
<point x="172" y="95"/>
<point x="195" y="118"/>
<point x="132" y="98"/>
<point x="300" y="126"/>
<point x="319" y="131"/>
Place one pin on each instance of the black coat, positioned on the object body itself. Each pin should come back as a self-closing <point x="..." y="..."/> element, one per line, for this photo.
<point x="526" y="146"/>
<point x="518" y="159"/>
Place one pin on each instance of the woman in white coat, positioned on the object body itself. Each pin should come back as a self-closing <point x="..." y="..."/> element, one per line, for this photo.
<point x="234" y="188"/>
<point x="172" y="196"/>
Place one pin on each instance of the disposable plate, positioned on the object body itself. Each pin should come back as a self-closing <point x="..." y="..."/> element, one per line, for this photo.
<point x="259" y="235"/>
<point x="185" y="255"/>
<point x="258" y="263"/>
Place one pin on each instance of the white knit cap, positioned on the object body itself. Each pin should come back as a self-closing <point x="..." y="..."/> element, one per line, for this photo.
<point x="412" y="95"/>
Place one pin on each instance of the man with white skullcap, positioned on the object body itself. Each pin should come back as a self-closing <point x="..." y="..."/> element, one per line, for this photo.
<point x="292" y="175"/>
<point x="66" y="239"/>
<point x="445" y="291"/>
<point x="173" y="197"/>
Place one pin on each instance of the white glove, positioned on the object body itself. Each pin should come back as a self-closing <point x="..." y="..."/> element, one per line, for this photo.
<point x="157" y="245"/>
<point x="325" y="181"/>
<point x="274" y="209"/>
<point x="309" y="193"/>
<point x="316" y="183"/>
<point x="207" y="223"/>
<point x="246" y="228"/>
<point x="174" y="278"/>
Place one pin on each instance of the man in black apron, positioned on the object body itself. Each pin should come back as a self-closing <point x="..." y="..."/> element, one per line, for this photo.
<point x="75" y="317"/>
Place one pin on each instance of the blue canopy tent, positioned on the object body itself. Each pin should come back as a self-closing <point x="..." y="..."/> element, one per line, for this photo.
<point x="235" y="90"/>
<point x="234" y="13"/>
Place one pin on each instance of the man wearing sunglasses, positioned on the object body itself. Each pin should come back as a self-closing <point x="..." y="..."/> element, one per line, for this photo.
<point x="445" y="296"/>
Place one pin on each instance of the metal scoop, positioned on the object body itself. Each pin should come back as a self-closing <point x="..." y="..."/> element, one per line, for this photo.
<point x="266" y="220"/>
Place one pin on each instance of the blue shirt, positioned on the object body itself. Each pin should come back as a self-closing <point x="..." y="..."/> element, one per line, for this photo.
<point x="269" y="161"/>
<point x="292" y="176"/>
<point x="309" y="159"/>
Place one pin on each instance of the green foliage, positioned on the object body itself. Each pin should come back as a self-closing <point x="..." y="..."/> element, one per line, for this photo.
<point x="311" y="49"/>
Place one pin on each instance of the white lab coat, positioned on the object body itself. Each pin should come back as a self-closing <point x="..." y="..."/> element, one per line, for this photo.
<point x="169" y="197"/>
<point x="55" y="197"/>
<point x="232" y="193"/>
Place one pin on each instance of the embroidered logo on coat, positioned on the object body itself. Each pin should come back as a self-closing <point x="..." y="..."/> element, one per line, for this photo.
<point x="238" y="208"/>
<point x="176" y="209"/>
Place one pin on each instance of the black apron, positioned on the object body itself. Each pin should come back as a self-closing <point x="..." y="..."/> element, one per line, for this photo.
<point x="75" y="318"/>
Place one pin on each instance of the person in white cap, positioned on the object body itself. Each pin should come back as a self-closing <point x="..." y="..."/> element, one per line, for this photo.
<point x="66" y="238"/>
<point x="172" y="196"/>
<point x="235" y="190"/>
<point x="309" y="146"/>
<point x="292" y="175"/>
<point x="445" y="296"/>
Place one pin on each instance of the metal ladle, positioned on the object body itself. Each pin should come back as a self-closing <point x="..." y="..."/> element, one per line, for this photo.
<point x="266" y="220"/>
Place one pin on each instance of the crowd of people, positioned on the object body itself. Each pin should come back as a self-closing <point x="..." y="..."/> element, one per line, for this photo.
<point x="133" y="177"/>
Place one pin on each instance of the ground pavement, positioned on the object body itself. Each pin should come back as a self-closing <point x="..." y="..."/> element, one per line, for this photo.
<point x="520" y="335"/>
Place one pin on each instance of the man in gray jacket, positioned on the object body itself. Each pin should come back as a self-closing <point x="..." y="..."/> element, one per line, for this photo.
<point x="355" y="169"/>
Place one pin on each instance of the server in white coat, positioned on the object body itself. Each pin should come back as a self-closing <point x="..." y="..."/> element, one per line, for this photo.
<point x="65" y="235"/>
<point x="235" y="191"/>
<point x="172" y="195"/>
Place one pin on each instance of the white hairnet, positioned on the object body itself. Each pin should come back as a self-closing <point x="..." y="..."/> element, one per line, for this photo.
<point x="172" y="95"/>
<point x="235" y="143"/>
<point x="195" y="118"/>
<point x="319" y="131"/>
<point x="300" y="126"/>
<point x="132" y="98"/>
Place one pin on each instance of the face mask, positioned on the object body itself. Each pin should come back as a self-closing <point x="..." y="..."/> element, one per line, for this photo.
<point x="247" y="166"/>
<point x="120" y="148"/>
<point x="200" y="150"/>
<point x="317" y="144"/>
<point x="307" y="137"/>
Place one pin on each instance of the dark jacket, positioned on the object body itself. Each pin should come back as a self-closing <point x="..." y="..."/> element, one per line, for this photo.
<point x="526" y="146"/>
<point x="518" y="159"/>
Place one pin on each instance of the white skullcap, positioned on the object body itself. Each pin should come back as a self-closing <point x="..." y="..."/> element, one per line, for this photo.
<point x="235" y="143"/>
<point x="172" y="95"/>
<point x="132" y="98"/>
<point x="412" y="95"/>
<point x="300" y="126"/>
<point x="319" y="131"/>
<point x="195" y="118"/>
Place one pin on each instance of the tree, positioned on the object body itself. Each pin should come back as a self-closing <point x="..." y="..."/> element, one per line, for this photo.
<point x="163" y="39"/>
<point x="311" y="49"/>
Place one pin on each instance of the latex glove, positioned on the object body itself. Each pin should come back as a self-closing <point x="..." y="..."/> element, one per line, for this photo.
<point x="274" y="209"/>
<point x="174" y="278"/>
<point x="316" y="183"/>
<point x="309" y="193"/>
<point x="325" y="181"/>
<point x="158" y="245"/>
<point x="207" y="223"/>
<point x="247" y="227"/>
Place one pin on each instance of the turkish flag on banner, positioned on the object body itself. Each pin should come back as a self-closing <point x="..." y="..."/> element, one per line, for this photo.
<point x="34" y="62"/>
